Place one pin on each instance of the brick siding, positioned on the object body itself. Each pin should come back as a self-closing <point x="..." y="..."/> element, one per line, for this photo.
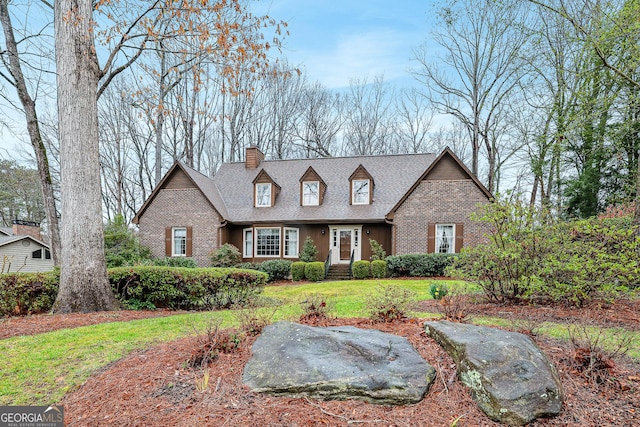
<point x="180" y="208"/>
<point x="439" y="202"/>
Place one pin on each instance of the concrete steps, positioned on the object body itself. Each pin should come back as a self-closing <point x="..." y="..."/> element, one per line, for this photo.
<point x="338" y="272"/>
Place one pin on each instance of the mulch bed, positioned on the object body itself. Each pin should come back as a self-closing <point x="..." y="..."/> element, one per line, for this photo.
<point x="156" y="388"/>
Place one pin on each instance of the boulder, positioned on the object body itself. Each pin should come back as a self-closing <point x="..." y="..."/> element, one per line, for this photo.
<point x="509" y="377"/>
<point x="337" y="363"/>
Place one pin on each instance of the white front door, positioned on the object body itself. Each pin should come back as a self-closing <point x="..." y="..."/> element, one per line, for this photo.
<point x="345" y="240"/>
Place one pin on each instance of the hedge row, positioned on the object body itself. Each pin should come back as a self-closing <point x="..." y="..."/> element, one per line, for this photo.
<point x="365" y="270"/>
<point x="276" y="269"/>
<point x="313" y="271"/>
<point x="419" y="265"/>
<point x="140" y="287"/>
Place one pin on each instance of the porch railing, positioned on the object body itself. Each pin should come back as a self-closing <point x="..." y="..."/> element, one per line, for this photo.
<point x="327" y="264"/>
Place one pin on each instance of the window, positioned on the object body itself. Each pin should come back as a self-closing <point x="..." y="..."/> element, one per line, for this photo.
<point x="267" y="242"/>
<point x="310" y="193"/>
<point x="360" y="192"/>
<point x="263" y="195"/>
<point x="445" y="240"/>
<point x="248" y="243"/>
<point x="38" y="254"/>
<point x="179" y="242"/>
<point x="291" y="242"/>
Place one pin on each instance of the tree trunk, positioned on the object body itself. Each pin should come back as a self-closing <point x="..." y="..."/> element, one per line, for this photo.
<point x="33" y="127"/>
<point x="84" y="286"/>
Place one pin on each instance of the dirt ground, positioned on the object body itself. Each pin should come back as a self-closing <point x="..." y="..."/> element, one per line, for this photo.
<point x="156" y="388"/>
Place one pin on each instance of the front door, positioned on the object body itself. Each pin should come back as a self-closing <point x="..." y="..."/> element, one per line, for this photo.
<point x="345" y="240"/>
<point x="345" y="245"/>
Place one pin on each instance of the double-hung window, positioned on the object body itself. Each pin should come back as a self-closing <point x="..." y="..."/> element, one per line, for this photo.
<point x="268" y="242"/>
<point x="445" y="238"/>
<point x="291" y="242"/>
<point x="248" y="243"/>
<point x="263" y="195"/>
<point x="360" y="192"/>
<point x="310" y="193"/>
<point x="179" y="239"/>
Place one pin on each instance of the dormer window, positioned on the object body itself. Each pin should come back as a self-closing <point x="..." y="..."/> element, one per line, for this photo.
<point x="360" y="192"/>
<point x="265" y="190"/>
<point x="310" y="193"/>
<point x="263" y="195"/>
<point x="361" y="187"/>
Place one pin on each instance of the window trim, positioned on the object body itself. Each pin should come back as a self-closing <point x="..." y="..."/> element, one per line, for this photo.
<point x="452" y="244"/>
<point x="257" y="198"/>
<point x="245" y="247"/>
<point x="173" y="242"/>
<point x="353" y="192"/>
<point x="285" y="246"/>
<point x="317" y="198"/>
<point x="255" y="242"/>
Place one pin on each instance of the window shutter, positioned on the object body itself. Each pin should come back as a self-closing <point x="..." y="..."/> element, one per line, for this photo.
<point x="431" y="237"/>
<point x="189" y="239"/>
<point x="167" y="241"/>
<point x="459" y="236"/>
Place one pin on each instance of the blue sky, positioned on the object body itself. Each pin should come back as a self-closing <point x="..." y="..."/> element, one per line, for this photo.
<point x="336" y="41"/>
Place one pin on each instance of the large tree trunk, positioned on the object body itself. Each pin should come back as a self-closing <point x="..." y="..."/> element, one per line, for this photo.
<point x="84" y="286"/>
<point x="33" y="127"/>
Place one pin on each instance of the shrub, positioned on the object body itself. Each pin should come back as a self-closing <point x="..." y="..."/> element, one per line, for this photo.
<point x="27" y="293"/>
<point x="419" y="265"/>
<point x="309" y="251"/>
<point x="247" y="266"/>
<point x="379" y="269"/>
<point x="252" y="320"/>
<point x="534" y="256"/>
<point x="315" y="308"/>
<point x="186" y="288"/>
<point x="226" y="255"/>
<point x="276" y="269"/>
<point x="456" y="306"/>
<point x="361" y="269"/>
<point x="180" y="262"/>
<point x="210" y="344"/>
<point x="438" y="290"/>
<point x="389" y="303"/>
<point x="297" y="270"/>
<point x="377" y="251"/>
<point x="121" y="245"/>
<point x="314" y="271"/>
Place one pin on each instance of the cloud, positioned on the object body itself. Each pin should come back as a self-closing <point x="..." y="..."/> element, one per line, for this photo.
<point x="359" y="55"/>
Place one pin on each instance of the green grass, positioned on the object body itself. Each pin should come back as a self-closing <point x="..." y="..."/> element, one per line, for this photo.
<point x="41" y="369"/>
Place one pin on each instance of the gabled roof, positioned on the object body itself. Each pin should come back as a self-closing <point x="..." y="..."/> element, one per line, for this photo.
<point x="6" y="231"/>
<point x="230" y="192"/>
<point x="6" y="240"/>
<point x="447" y="153"/>
<point x="199" y="180"/>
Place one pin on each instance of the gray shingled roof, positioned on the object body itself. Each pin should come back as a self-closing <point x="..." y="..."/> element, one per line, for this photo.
<point x="231" y="190"/>
<point x="8" y="231"/>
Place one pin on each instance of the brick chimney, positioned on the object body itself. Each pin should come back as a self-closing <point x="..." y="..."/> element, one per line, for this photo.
<point x="252" y="157"/>
<point x="28" y="228"/>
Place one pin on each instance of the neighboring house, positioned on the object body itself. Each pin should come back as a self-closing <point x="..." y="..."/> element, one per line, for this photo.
<point x="22" y="249"/>
<point x="415" y="203"/>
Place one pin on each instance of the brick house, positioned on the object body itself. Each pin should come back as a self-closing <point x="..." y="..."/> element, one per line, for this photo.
<point x="414" y="203"/>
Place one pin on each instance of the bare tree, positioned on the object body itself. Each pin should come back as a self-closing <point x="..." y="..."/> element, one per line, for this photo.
<point x="320" y="121"/>
<point x="480" y="67"/>
<point x="413" y="122"/>
<point x="367" y="123"/>
<point x="16" y="78"/>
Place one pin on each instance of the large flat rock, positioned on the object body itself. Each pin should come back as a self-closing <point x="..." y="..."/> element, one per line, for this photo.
<point x="337" y="363"/>
<point x="509" y="377"/>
